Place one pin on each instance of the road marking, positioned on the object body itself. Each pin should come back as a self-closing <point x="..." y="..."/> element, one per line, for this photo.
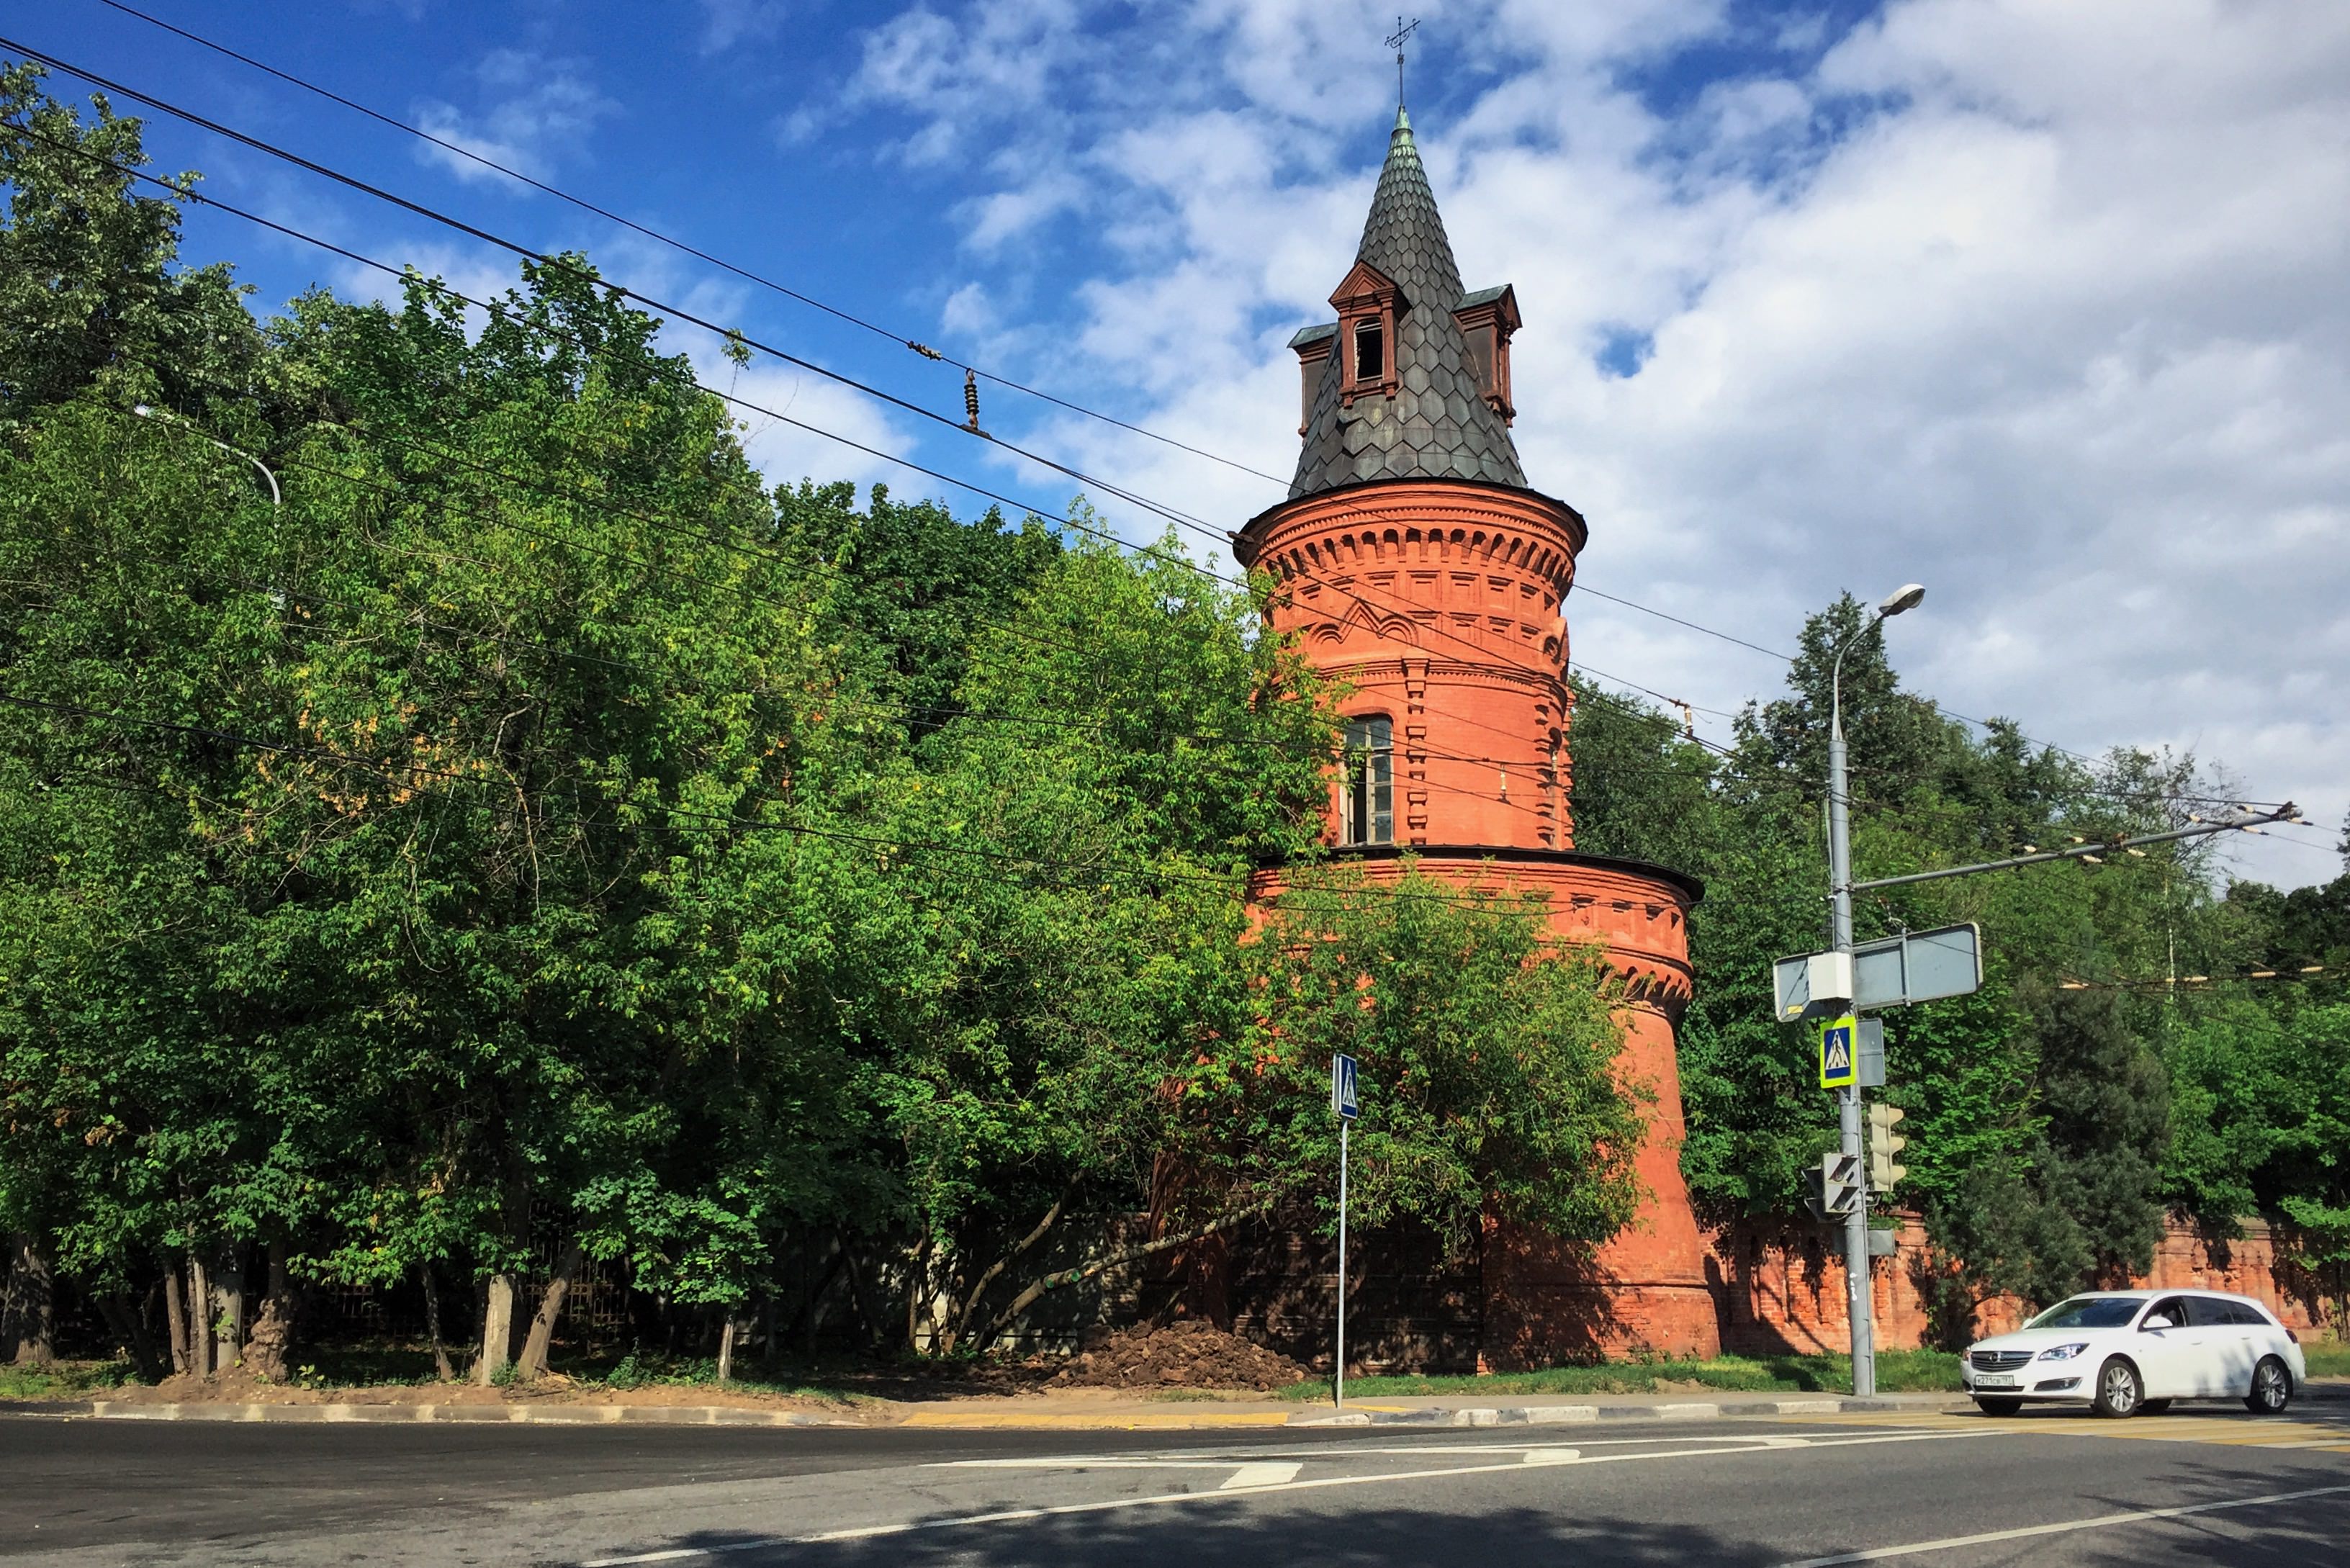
<point x="2103" y="1522"/>
<point x="1248" y="1472"/>
<point x="1270" y="1473"/>
<point x="1138" y="1420"/>
<point x="1161" y="1499"/>
<point x="1178" y="1458"/>
<point x="2238" y="1432"/>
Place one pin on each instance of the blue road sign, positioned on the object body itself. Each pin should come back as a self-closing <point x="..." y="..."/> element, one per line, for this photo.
<point x="1343" y="1103"/>
<point x="1838" y="1056"/>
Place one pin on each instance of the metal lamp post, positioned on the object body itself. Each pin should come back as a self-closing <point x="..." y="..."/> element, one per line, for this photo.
<point x="1848" y="1118"/>
<point x="276" y="497"/>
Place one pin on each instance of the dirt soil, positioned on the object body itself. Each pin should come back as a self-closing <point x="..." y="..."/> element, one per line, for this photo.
<point x="1187" y="1355"/>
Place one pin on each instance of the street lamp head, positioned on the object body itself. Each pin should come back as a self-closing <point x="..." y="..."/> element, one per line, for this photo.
<point x="1904" y="598"/>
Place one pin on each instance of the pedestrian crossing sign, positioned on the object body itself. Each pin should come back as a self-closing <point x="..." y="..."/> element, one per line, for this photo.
<point x="1838" y="1052"/>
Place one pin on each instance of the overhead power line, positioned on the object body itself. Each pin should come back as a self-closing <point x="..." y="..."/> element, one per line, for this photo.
<point x="1183" y="563"/>
<point x="971" y="426"/>
<point x="2164" y="982"/>
<point x="495" y="518"/>
<point x="1168" y="514"/>
<point x="405" y="773"/>
<point x="1178" y="518"/>
<point x="658" y="237"/>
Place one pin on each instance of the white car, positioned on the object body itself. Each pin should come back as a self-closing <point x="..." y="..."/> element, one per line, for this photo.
<point x="2124" y="1352"/>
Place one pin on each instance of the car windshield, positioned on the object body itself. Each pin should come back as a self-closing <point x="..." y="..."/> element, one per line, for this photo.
<point x="2089" y="1312"/>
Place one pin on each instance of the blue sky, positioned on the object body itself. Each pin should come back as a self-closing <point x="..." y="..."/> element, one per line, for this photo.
<point x="2044" y="307"/>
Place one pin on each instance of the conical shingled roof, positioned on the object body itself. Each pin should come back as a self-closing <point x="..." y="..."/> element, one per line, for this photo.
<point x="1437" y="426"/>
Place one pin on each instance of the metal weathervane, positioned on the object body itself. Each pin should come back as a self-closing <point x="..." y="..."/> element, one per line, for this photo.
<point x="1395" y="41"/>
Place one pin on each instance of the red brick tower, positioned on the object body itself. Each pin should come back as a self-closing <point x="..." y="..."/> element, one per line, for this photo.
<point x="1420" y="568"/>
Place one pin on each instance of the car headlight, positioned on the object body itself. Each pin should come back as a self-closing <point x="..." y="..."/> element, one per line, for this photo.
<point x="2062" y="1352"/>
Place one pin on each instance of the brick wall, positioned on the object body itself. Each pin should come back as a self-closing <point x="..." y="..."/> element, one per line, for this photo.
<point x="1781" y="1288"/>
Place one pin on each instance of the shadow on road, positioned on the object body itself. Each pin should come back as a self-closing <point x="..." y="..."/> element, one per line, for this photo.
<point x="1219" y="1533"/>
<point x="2307" y="1532"/>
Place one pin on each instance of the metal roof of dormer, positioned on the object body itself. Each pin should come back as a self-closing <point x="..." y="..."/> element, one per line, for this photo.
<point x="1437" y="425"/>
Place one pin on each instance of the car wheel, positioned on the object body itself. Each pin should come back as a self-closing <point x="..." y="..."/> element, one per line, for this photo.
<point x="2272" y="1388"/>
<point x="1999" y="1407"/>
<point x="2119" y="1392"/>
<point x="2153" y="1406"/>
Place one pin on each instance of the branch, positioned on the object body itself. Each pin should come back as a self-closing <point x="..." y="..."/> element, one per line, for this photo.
<point x="1063" y="1277"/>
<point x="971" y="1302"/>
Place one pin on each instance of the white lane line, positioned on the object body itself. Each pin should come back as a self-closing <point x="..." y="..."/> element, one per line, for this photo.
<point x="1186" y="1457"/>
<point x="1321" y="1483"/>
<point x="2103" y="1522"/>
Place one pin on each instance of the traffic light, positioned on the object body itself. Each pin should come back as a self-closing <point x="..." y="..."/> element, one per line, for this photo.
<point x="1884" y="1143"/>
<point x="1835" y="1189"/>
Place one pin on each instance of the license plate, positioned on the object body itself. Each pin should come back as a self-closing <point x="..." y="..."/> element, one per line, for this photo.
<point x="1988" y="1382"/>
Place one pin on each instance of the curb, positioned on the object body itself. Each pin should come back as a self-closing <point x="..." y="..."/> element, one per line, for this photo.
<point x="740" y="1415"/>
<point x="412" y="1415"/>
<point x="975" y="1420"/>
<point x="1564" y="1415"/>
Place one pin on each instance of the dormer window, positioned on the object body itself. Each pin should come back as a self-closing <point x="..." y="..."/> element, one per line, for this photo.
<point x="1369" y="306"/>
<point x="1487" y="318"/>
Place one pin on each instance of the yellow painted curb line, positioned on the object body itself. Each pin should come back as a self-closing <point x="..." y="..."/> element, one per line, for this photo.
<point x="976" y="1419"/>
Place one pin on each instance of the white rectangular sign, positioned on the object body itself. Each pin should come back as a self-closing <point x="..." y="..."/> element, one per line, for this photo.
<point x="1916" y="966"/>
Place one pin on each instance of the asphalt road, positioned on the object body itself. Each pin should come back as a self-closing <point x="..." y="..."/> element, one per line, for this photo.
<point x="2051" y="1489"/>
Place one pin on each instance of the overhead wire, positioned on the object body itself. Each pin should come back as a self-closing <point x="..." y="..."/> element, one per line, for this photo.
<point x="443" y="288"/>
<point x="971" y="427"/>
<point x="471" y="155"/>
<point x="1171" y="515"/>
<point x="497" y="519"/>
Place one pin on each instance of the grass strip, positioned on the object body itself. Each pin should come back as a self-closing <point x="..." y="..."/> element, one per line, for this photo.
<point x="1897" y="1372"/>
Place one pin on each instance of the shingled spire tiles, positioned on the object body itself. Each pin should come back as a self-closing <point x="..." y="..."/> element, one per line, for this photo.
<point x="1437" y="426"/>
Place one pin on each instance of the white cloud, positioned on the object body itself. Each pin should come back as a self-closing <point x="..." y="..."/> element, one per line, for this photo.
<point x="727" y="23"/>
<point x="540" y="115"/>
<point x="780" y="410"/>
<point x="2046" y="306"/>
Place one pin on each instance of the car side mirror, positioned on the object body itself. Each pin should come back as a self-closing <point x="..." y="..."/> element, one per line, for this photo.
<point x="2154" y="1325"/>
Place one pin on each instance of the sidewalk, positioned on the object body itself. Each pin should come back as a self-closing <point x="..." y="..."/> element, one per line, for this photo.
<point x="1073" y="1411"/>
<point x="1056" y="1412"/>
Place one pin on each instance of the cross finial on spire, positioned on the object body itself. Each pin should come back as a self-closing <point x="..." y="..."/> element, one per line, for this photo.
<point x="1395" y="41"/>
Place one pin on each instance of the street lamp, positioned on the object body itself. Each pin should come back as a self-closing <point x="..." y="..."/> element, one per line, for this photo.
<point x="277" y="498"/>
<point x="1856" y="1223"/>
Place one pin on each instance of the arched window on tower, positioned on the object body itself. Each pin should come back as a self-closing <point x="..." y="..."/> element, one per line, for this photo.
<point x="1370" y="780"/>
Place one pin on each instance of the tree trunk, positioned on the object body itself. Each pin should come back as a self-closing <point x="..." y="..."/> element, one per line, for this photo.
<point x="726" y="1349"/>
<point x="28" y="1311"/>
<point x="867" y="1317"/>
<point x="228" y="1297"/>
<point x="271" y="1344"/>
<point x="961" y="1325"/>
<point x="917" y="1292"/>
<point x="811" y="1305"/>
<point x="127" y="1324"/>
<point x="497" y="1328"/>
<point x="175" y="1321"/>
<point x="441" y="1367"/>
<point x="550" y="1306"/>
<point x="1063" y="1277"/>
<point x="200" y="1316"/>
